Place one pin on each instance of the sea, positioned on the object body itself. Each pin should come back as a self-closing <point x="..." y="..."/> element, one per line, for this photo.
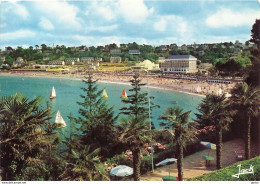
<point x="68" y="91"/>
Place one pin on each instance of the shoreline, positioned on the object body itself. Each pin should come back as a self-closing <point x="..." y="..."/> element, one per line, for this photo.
<point x="154" y="82"/>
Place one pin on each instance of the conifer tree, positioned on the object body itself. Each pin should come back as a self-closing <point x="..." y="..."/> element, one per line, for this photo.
<point x="135" y="132"/>
<point x="97" y="119"/>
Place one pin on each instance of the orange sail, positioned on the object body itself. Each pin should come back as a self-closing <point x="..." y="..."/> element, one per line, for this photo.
<point x="124" y="95"/>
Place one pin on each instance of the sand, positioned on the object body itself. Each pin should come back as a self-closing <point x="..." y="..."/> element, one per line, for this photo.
<point x="180" y="85"/>
<point x="194" y="165"/>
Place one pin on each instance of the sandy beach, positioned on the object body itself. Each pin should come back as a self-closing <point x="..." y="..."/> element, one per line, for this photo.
<point x="181" y="85"/>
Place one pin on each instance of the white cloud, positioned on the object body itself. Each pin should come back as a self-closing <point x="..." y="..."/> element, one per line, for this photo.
<point x="17" y="35"/>
<point x="171" y="23"/>
<point x="46" y="24"/>
<point x="106" y="12"/>
<point x="14" y="7"/>
<point x="226" y="17"/>
<point x="134" y="11"/>
<point x="102" y="28"/>
<point x="160" y="25"/>
<point x="60" y="11"/>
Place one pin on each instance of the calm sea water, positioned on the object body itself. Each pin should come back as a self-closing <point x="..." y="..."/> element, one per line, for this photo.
<point x="68" y="93"/>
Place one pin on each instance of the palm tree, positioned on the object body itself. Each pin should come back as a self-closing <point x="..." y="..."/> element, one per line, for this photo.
<point x="183" y="131"/>
<point x="85" y="166"/>
<point x="215" y="110"/>
<point x="23" y="125"/>
<point x="245" y="100"/>
<point x="135" y="134"/>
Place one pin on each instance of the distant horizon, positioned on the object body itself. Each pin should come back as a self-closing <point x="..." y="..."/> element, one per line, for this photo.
<point x="74" y="23"/>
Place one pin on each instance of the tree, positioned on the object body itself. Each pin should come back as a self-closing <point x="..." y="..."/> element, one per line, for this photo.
<point x="245" y="100"/>
<point x="215" y="110"/>
<point x="25" y="130"/>
<point x="135" y="135"/>
<point x="138" y="112"/>
<point x="255" y="36"/>
<point x="97" y="119"/>
<point x="87" y="167"/>
<point x="183" y="131"/>
<point x="44" y="47"/>
<point x="138" y="101"/>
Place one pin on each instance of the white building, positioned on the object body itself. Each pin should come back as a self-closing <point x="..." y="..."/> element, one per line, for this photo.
<point x="179" y="64"/>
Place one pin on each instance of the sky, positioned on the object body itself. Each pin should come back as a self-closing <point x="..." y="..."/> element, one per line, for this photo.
<point x="101" y="22"/>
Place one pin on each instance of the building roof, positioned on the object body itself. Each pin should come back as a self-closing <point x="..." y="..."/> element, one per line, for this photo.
<point x="181" y="57"/>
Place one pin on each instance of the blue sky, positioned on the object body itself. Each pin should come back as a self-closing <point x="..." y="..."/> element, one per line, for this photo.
<point x="97" y="22"/>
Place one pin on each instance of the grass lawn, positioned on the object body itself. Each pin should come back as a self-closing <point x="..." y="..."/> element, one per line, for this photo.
<point x="226" y="173"/>
<point x="114" y="67"/>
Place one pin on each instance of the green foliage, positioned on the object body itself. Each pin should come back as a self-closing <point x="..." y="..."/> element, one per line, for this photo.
<point x="25" y="131"/>
<point x="226" y="173"/>
<point x="86" y="166"/>
<point x="245" y="100"/>
<point x="97" y="119"/>
<point x="138" y="102"/>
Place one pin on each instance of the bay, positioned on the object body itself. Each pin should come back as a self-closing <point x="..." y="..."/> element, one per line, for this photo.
<point x="68" y="94"/>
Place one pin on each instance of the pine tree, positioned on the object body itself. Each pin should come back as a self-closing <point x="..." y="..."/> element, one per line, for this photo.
<point x="135" y="131"/>
<point x="138" y="101"/>
<point x="97" y="119"/>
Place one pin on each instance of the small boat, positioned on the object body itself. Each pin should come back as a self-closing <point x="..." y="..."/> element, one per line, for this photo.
<point x="104" y="94"/>
<point x="124" y="95"/>
<point x="59" y="120"/>
<point x="53" y="93"/>
<point x="174" y="102"/>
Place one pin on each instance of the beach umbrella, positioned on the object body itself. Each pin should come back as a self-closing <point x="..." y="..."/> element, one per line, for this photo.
<point x="121" y="170"/>
<point x="227" y="95"/>
<point x="166" y="161"/>
<point x="208" y="145"/>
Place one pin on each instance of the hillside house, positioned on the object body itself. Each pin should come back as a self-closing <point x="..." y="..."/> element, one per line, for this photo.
<point x="115" y="59"/>
<point x="2" y="59"/>
<point x="8" y="50"/>
<point x="184" y="47"/>
<point x="134" y="52"/>
<point x="46" y="59"/>
<point x="56" y="63"/>
<point x="204" y="68"/>
<point x="75" y="60"/>
<point x="18" y="62"/>
<point x="179" y="64"/>
<point x="115" y="51"/>
<point x="87" y="60"/>
<point x="237" y="51"/>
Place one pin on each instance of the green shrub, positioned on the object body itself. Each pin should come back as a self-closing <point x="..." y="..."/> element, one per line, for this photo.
<point x="226" y="173"/>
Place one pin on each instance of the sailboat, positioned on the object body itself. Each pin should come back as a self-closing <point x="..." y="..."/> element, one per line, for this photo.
<point x="104" y="94"/>
<point x="59" y="120"/>
<point x="124" y="95"/>
<point x="53" y="93"/>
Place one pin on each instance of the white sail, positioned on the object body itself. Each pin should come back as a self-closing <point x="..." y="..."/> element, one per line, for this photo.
<point x="53" y="92"/>
<point x="59" y="120"/>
